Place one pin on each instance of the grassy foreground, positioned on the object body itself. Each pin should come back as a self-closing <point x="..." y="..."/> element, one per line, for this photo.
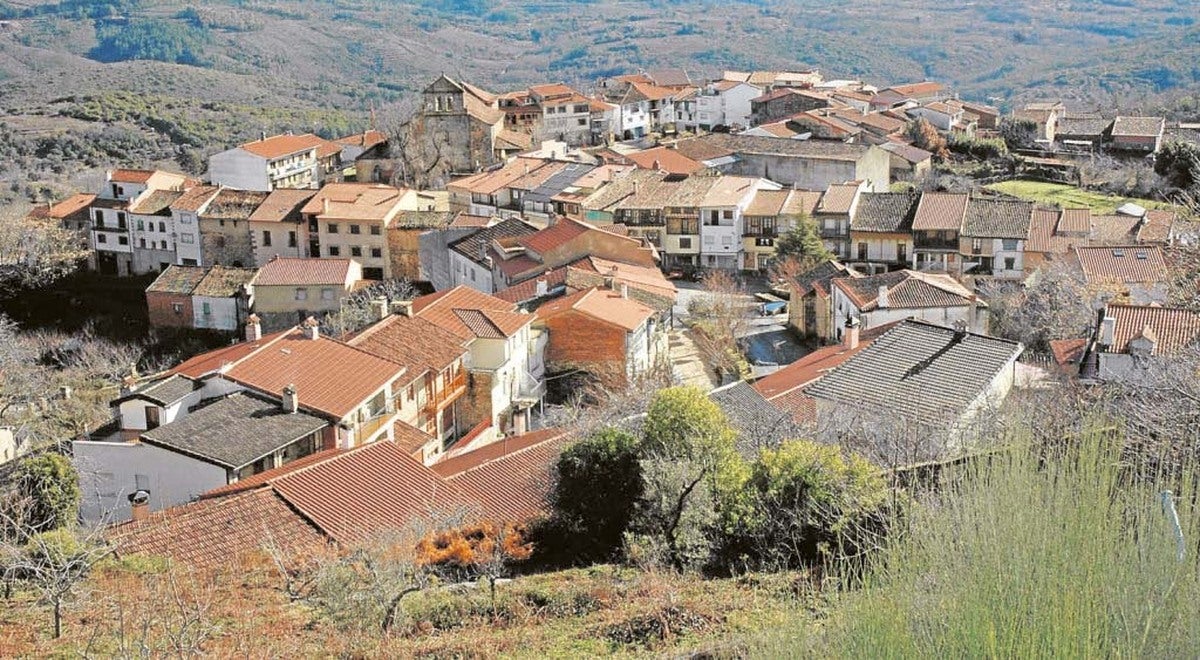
<point x="1069" y="196"/>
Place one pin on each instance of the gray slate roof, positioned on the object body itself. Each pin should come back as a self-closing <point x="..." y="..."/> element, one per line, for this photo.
<point x="884" y="212"/>
<point x="234" y="431"/>
<point x="997" y="218"/>
<point x="758" y="422"/>
<point x="472" y="246"/>
<point x="164" y="392"/>
<point x="918" y="371"/>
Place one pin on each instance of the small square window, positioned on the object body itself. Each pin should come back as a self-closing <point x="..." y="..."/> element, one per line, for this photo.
<point x="301" y="294"/>
<point x="377" y="252"/>
<point x="355" y="229"/>
<point x="326" y="294"/>
<point x="335" y="251"/>
<point x="333" y="228"/>
<point x="375" y="230"/>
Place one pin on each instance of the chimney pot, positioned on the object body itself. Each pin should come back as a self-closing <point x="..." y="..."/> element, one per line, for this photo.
<point x="311" y="328"/>
<point x="290" y="402"/>
<point x="253" y="328"/>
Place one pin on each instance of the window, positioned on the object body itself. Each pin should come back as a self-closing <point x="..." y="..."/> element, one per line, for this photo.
<point x="1010" y="263"/>
<point x="326" y="294"/>
<point x="291" y="239"/>
<point x="727" y="214"/>
<point x="377" y="252"/>
<point x="862" y="251"/>
<point x="375" y="230"/>
<point x="206" y="308"/>
<point x="142" y="226"/>
<point x="117" y="190"/>
<point x="301" y="294"/>
<point x="162" y="227"/>
<point x="121" y="222"/>
<point x="141" y="242"/>
<point x="583" y="121"/>
<point x="355" y="229"/>
<point x="335" y="251"/>
<point x="177" y="308"/>
<point x="221" y="222"/>
<point x="185" y="219"/>
<point x="976" y="245"/>
<point x="356" y="251"/>
<point x="901" y="252"/>
<point x="99" y="217"/>
<point x="187" y="238"/>
<point x="267" y="238"/>
<point x="1010" y="244"/>
<point x="123" y="240"/>
<point x="685" y="243"/>
<point x="333" y="228"/>
<point x="101" y="238"/>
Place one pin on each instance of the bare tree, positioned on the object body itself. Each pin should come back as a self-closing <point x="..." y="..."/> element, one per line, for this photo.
<point x="35" y="251"/>
<point x="416" y="157"/>
<point x="359" y="309"/>
<point x="718" y="319"/>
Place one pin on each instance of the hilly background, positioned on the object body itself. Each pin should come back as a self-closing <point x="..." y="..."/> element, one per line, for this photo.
<point x="84" y="85"/>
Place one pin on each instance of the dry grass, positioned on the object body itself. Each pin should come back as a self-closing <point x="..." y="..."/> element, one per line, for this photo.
<point x="604" y="610"/>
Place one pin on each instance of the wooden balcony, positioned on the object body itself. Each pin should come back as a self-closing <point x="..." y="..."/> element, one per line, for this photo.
<point x="439" y="398"/>
<point x="373" y="425"/>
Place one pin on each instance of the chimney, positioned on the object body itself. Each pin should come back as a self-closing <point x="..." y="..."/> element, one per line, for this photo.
<point x="253" y="328"/>
<point x="262" y="136"/>
<point x="139" y="505"/>
<point x="379" y="308"/>
<point x="290" y="402"/>
<point x="311" y="328"/>
<point x="657" y="164"/>
<point x="542" y="287"/>
<point x="624" y="290"/>
<point x="324" y="206"/>
<point x="404" y="306"/>
<point x="850" y="336"/>
<point x="1108" y="328"/>
<point x="882" y="300"/>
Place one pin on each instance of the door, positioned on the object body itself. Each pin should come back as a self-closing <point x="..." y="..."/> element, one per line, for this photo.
<point x="152" y="420"/>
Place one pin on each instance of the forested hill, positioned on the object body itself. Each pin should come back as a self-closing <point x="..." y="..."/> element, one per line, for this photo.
<point x="211" y="73"/>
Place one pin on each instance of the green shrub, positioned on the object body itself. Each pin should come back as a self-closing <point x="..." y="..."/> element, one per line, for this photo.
<point x="48" y="486"/>
<point x="1066" y="555"/>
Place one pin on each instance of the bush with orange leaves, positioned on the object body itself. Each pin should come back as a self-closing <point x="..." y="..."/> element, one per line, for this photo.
<point x="483" y="550"/>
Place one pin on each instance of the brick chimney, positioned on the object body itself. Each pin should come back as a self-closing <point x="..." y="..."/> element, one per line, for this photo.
<point x="290" y="401"/>
<point x="324" y="206"/>
<point x="311" y="328"/>
<point x="253" y="328"/>
<point x="624" y="290"/>
<point x="850" y="336"/>
<point x="882" y="300"/>
<point x="139" y="505"/>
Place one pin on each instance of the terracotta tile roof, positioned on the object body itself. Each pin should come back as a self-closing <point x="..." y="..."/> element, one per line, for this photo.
<point x="1127" y="264"/>
<point x="410" y="439"/>
<point x="602" y="304"/>
<point x="354" y="495"/>
<point x="131" y="176"/>
<point x="442" y="309"/>
<point x="215" y="532"/>
<point x="282" y="205"/>
<point x="515" y="267"/>
<point x="646" y="278"/>
<point x="1114" y="229"/>
<point x="997" y="218"/>
<point x="330" y="377"/>
<point x="513" y="140"/>
<point x="234" y="431"/>
<point x="77" y="203"/>
<point x="1138" y="126"/>
<point x="801" y="202"/>
<point x="1171" y="328"/>
<point x="467" y="220"/>
<point x="473" y="246"/>
<point x="1042" y="235"/>
<point x="884" y="212"/>
<point x="298" y="271"/>
<point x="1157" y="226"/>
<point x="355" y="201"/>
<point x="940" y="211"/>
<point x="195" y="199"/>
<point x="666" y="160"/>
<point x="256" y="481"/>
<point x="366" y="139"/>
<point x="907" y="289"/>
<point x="155" y="202"/>
<point x="279" y="146"/>
<point x="839" y="198"/>
<point x="510" y="477"/>
<point x="416" y="343"/>
<point x="918" y="371"/>
<point x="181" y="280"/>
<point x="767" y="203"/>
<point x="527" y="290"/>
<point x="777" y="129"/>
<point x="727" y="143"/>
<point x="230" y="204"/>
<point x="918" y="90"/>
<point x="910" y="154"/>
<point x="1075" y="221"/>
<point x="1068" y="352"/>
<point x="822" y="273"/>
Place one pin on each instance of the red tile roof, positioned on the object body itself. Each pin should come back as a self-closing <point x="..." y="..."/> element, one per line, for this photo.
<point x="366" y="139"/>
<point x="418" y="344"/>
<point x="1171" y="328"/>
<point x="510" y="478"/>
<point x="941" y="211"/>
<point x="602" y="304"/>
<point x="214" y="532"/>
<point x="68" y="207"/>
<point x="527" y="290"/>
<point x="665" y="160"/>
<point x="1127" y="264"/>
<point x="298" y="271"/>
<point x="278" y="146"/>
<point x="282" y="204"/>
<point x="1068" y="352"/>
<point x="131" y="176"/>
<point x="440" y="308"/>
